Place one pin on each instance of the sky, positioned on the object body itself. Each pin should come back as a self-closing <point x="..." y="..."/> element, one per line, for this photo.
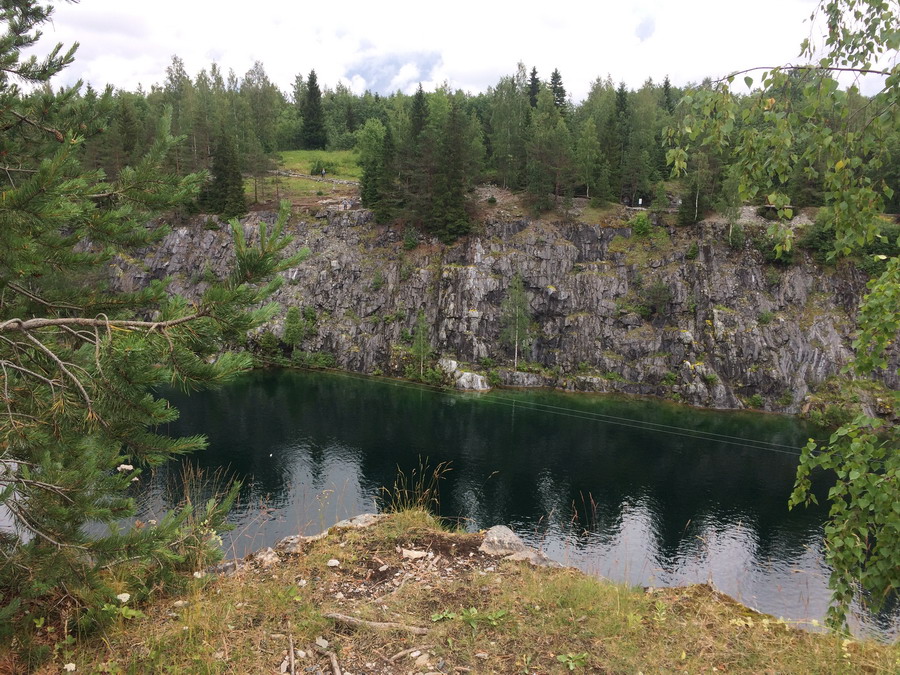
<point x="388" y="46"/>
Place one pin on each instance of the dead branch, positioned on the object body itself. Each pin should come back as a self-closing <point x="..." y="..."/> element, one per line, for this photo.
<point x="378" y="625"/>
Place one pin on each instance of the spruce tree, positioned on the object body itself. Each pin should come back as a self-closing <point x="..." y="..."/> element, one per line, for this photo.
<point x="82" y="364"/>
<point x="224" y="194"/>
<point x="559" y="91"/>
<point x="313" y="135"/>
<point x="534" y="87"/>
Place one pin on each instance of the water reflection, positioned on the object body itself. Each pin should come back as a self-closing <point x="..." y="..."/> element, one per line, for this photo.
<point x="564" y="471"/>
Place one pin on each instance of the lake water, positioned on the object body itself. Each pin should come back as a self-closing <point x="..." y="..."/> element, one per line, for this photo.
<point x="638" y="491"/>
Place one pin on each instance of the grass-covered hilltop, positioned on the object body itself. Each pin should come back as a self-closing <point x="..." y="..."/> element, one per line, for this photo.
<point x="716" y="248"/>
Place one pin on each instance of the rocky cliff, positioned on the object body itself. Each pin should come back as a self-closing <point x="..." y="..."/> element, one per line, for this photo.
<point x="676" y="312"/>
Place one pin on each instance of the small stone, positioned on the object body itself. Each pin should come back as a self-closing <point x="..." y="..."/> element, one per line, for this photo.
<point x="339" y="595"/>
<point x="322" y="642"/>
<point x="302" y="583"/>
<point x="383" y="568"/>
<point x="481" y="655"/>
<point x="416" y="654"/>
<point x="413" y="555"/>
<point x="276" y="636"/>
<point x="180" y="603"/>
<point x="422" y="661"/>
<point x="334" y="562"/>
<point x="300" y="654"/>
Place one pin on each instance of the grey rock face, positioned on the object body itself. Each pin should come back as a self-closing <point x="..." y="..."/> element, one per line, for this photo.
<point x="731" y="325"/>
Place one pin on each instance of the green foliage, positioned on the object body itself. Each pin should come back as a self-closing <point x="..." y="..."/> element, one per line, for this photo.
<point x="711" y="378"/>
<point x="755" y="401"/>
<point x="294" y="328"/>
<point x="692" y="252"/>
<point x="515" y="318"/>
<point x="765" y="318"/>
<point x="640" y="225"/>
<point x="768" y="246"/>
<point x="377" y="281"/>
<point x="323" y="360"/>
<point x="669" y="379"/>
<point x="736" y="237"/>
<point x="572" y="661"/>
<point x="320" y="164"/>
<point x="224" y="194"/>
<point x="82" y="365"/>
<point x="313" y="135"/>
<point x="419" y="490"/>
<point x="410" y="239"/>
<point x="653" y="300"/>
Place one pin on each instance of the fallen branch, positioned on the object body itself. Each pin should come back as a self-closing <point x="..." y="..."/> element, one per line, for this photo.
<point x="335" y="665"/>
<point x="378" y="625"/>
<point x="400" y="655"/>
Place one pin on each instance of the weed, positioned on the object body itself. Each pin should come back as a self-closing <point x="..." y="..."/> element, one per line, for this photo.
<point x="765" y="318"/>
<point x="711" y="378"/>
<point x="377" y="281"/>
<point x="692" y="252"/>
<point x="755" y="401"/>
<point x="573" y="661"/>
<point x="669" y="379"/>
<point x="418" y="491"/>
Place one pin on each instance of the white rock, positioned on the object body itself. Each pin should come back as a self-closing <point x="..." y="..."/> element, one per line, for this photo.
<point x="322" y="642"/>
<point x="334" y="562"/>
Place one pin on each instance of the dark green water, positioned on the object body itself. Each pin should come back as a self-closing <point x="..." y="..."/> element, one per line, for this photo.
<point x="580" y="476"/>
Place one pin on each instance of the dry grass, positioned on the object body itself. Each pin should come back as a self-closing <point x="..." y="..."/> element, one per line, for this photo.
<point x="481" y="614"/>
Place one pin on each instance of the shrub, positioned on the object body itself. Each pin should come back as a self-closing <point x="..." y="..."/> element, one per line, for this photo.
<point x="765" y="318"/>
<point x="755" y="401"/>
<point x="711" y="378"/>
<point x="736" y="237"/>
<point x="313" y="359"/>
<point x="377" y="281"/>
<point x="640" y="225"/>
<point x="669" y="379"/>
<point x="410" y="239"/>
<point x="692" y="252"/>
<point x="654" y="299"/>
<point x="318" y="163"/>
<point x="492" y="200"/>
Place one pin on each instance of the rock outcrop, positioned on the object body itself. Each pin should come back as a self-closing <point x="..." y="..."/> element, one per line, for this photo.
<point x="677" y="314"/>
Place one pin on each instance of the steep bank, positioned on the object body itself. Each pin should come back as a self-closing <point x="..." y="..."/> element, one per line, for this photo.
<point x="676" y="313"/>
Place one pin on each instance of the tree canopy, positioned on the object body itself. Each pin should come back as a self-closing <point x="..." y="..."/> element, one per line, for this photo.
<point x="799" y="122"/>
<point x="82" y="363"/>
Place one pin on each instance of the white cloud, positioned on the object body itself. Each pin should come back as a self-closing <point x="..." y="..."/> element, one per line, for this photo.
<point x="389" y="45"/>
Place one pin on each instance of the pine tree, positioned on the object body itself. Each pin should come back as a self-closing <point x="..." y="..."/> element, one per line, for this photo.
<point x="81" y="364"/>
<point x="313" y="135"/>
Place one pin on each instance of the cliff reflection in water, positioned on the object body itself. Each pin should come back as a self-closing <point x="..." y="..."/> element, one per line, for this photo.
<point x="625" y="502"/>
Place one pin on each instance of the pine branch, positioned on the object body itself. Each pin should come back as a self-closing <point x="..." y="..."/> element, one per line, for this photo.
<point x="57" y="134"/>
<point x="18" y="325"/>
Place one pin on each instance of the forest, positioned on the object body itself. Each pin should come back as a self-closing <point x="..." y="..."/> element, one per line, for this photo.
<point x="422" y="153"/>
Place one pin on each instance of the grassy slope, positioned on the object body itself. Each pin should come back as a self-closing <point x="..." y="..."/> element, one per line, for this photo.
<point x="482" y="615"/>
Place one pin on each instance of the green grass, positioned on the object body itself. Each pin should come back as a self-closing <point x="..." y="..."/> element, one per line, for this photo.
<point x="485" y="615"/>
<point x="344" y="162"/>
<point x="292" y="188"/>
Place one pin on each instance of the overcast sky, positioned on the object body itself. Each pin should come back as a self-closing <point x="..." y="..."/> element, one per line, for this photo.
<point x="385" y="46"/>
